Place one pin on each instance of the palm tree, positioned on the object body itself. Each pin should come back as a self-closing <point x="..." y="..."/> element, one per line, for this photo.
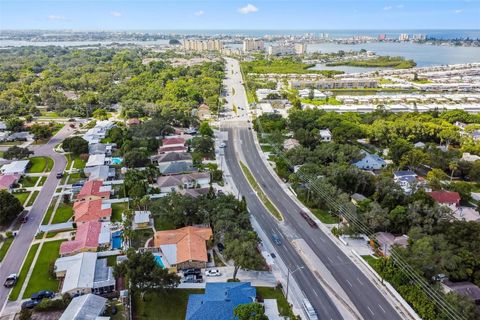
<point x="453" y="166"/>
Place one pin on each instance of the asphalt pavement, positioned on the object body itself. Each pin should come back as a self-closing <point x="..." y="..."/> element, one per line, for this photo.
<point x="19" y="248"/>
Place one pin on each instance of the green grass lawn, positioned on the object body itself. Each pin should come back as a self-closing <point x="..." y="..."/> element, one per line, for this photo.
<point x="28" y="182"/>
<point x="63" y="214"/>
<point x="171" y="304"/>
<point x="74" y="178"/>
<point x="49" y="114"/>
<point x="325" y="217"/>
<point x="23" y="272"/>
<point x="163" y="224"/>
<point x="32" y="198"/>
<point x="4" y="249"/>
<point x="38" y="164"/>
<point x="371" y="260"/>
<point x="117" y="211"/>
<point x="41" y="278"/>
<point x="11" y="143"/>
<point x="263" y="197"/>
<point x="42" y="181"/>
<point x="140" y="237"/>
<point x="79" y="163"/>
<point x="273" y="293"/>
<point x="47" y="216"/>
<point x="49" y="164"/>
<point x="22" y="196"/>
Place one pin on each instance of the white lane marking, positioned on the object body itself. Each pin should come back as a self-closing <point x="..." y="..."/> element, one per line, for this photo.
<point x="370" y="311"/>
<point x="330" y="259"/>
<point x="382" y="309"/>
<point x="314" y="291"/>
<point x="340" y="259"/>
<point x="360" y="281"/>
<point x="349" y="283"/>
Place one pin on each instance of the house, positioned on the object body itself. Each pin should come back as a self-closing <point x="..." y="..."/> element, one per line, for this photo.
<point x="356" y="198"/>
<point x="219" y="300"/>
<point x="99" y="173"/>
<point x="86" y="307"/>
<point x="19" y="136"/>
<point x="141" y="220"/>
<point x="3" y="126"/>
<point x="94" y="210"/>
<point x="166" y="159"/>
<point x="183" y="181"/>
<point x="93" y="190"/>
<point x="265" y="108"/>
<point x="325" y="135"/>
<point x="419" y="145"/>
<point x="194" y="193"/>
<point x="133" y="122"/>
<point x="370" y="162"/>
<point x="97" y="133"/>
<point x="289" y="144"/>
<point x="7" y="182"/>
<point x="178" y="167"/>
<point x="185" y="247"/>
<point x="4" y="135"/>
<point x="405" y="179"/>
<point x="15" y="167"/>
<point x="464" y="288"/>
<point x="96" y="160"/>
<point x="89" y="237"/>
<point x="84" y="273"/>
<point x="176" y="144"/>
<point x="203" y="112"/>
<point x="101" y="148"/>
<point x="447" y="198"/>
<point x="386" y="240"/>
<point x="470" y="157"/>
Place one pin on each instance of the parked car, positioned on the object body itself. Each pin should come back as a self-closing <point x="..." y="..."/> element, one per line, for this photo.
<point x="192" y="271"/>
<point x="193" y="279"/>
<point x="223" y="145"/>
<point x="309" y="310"/>
<point x="309" y="220"/>
<point x="43" y="294"/>
<point x="24" y="219"/>
<point x="30" y="304"/>
<point x="11" y="281"/>
<point x="213" y="273"/>
<point x="273" y="255"/>
<point x="220" y="247"/>
<point x="276" y="239"/>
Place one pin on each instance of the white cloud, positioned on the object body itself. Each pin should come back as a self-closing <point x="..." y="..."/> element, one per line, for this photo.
<point x="115" y="14"/>
<point x="54" y="17"/>
<point x="458" y="11"/>
<point x="199" y="13"/>
<point x="249" y="8"/>
<point x="400" y="6"/>
<point x="387" y="8"/>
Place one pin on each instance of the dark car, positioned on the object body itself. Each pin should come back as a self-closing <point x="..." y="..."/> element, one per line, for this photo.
<point x="24" y="219"/>
<point x="276" y="239"/>
<point x="193" y="279"/>
<point x="11" y="281"/>
<point x="309" y="220"/>
<point x="220" y="247"/>
<point x="192" y="271"/>
<point x="273" y="255"/>
<point x="59" y="175"/>
<point x="43" y="294"/>
<point x="30" y="304"/>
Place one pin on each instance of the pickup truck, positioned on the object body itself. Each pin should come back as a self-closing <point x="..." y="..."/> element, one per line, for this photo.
<point x="11" y="281"/>
<point x="309" y="220"/>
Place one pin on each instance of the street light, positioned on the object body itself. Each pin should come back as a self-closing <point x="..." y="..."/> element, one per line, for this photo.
<point x="288" y="277"/>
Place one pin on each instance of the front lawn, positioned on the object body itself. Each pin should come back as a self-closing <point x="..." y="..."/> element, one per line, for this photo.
<point x="28" y="182"/>
<point x="63" y="214"/>
<point x="22" y="196"/>
<point x="32" y="198"/>
<point x="46" y="218"/>
<point x="41" y="278"/>
<point x="284" y="307"/>
<point x="168" y="305"/>
<point x="117" y="211"/>
<point x="4" y="249"/>
<point x="74" y="178"/>
<point x="23" y="272"/>
<point x="325" y="217"/>
<point x="38" y="164"/>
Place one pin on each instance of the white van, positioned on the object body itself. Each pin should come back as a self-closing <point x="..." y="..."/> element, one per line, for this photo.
<point x="307" y="306"/>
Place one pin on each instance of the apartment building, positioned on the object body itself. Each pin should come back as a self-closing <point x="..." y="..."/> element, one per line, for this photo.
<point x="333" y="84"/>
<point x="250" y="45"/>
<point x="202" y="45"/>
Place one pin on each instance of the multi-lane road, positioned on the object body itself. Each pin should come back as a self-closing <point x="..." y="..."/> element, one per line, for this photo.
<point x="367" y="299"/>
<point x="19" y="248"/>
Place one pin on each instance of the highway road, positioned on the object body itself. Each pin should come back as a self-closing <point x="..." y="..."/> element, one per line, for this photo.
<point x="368" y="300"/>
<point x="19" y="248"/>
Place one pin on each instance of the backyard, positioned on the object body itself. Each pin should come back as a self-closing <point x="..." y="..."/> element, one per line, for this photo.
<point x="117" y="211"/>
<point x="139" y="237"/>
<point x="63" y="214"/>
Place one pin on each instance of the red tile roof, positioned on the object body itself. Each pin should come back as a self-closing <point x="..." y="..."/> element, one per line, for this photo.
<point x="170" y="141"/>
<point x="86" y="239"/>
<point x="166" y="149"/>
<point x="92" y="188"/>
<point x="447" y="197"/>
<point x="90" y="211"/>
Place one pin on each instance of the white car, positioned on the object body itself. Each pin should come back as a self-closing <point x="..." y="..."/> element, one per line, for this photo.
<point x="223" y="145"/>
<point x="213" y="273"/>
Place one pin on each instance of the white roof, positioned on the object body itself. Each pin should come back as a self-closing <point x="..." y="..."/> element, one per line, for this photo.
<point x="266" y="107"/>
<point x="80" y="270"/>
<point x="15" y="167"/>
<point x="170" y="252"/>
<point x="95" y="160"/>
<point x="86" y="307"/>
<point x="325" y="133"/>
<point x="105" y="234"/>
<point x="141" y="217"/>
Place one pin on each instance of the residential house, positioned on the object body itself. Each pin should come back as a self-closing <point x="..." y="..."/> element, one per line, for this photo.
<point x="86" y="307"/>
<point x="90" y="236"/>
<point x="203" y="112"/>
<point x="94" y="210"/>
<point x="99" y="132"/>
<point x="185" y="247"/>
<point x="133" y="122"/>
<point x="405" y="179"/>
<point x="100" y="173"/>
<point x="165" y="160"/>
<point x="263" y="93"/>
<point x="142" y="220"/>
<point x="219" y="300"/>
<point x="3" y="126"/>
<point x="386" y="240"/>
<point x="356" y="198"/>
<point x="470" y="157"/>
<point x="19" y="136"/>
<point x="446" y="198"/>
<point x="370" y="162"/>
<point x="96" y="160"/>
<point x="4" y="135"/>
<point x="419" y="145"/>
<point x="194" y="193"/>
<point x="290" y="144"/>
<point x="101" y="148"/>
<point x="15" y="168"/>
<point x="464" y="288"/>
<point x="7" y="182"/>
<point x="176" y="144"/>
<point x="93" y="190"/>
<point x="325" y="135"/>
<point x="84" y="273"/>
<point x="183" y="181"/>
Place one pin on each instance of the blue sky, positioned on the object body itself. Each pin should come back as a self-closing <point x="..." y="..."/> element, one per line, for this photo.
<point x="230" y="14"/>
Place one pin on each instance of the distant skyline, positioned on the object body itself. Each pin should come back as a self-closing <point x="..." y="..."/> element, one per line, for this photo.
<point x="232" y="14"/>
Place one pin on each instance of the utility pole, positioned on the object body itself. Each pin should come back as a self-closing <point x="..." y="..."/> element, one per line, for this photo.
<point x="288" y="278"/>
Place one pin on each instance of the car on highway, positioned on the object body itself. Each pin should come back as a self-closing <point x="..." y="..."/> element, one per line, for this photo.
<point x="276" y="239"/>
<point x="11" y="281"/>
<point x="42" y="294"/>
<point x="30" y="304"/>
<point x="309" y="220"/>
<point x="213" y="273"/>
<point x="309" y="310"/>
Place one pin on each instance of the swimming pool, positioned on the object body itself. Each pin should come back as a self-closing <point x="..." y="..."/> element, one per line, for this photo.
<point x="117" y="160"/>
<point x="158" y="259"/>
<point x="117" y="240"/>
